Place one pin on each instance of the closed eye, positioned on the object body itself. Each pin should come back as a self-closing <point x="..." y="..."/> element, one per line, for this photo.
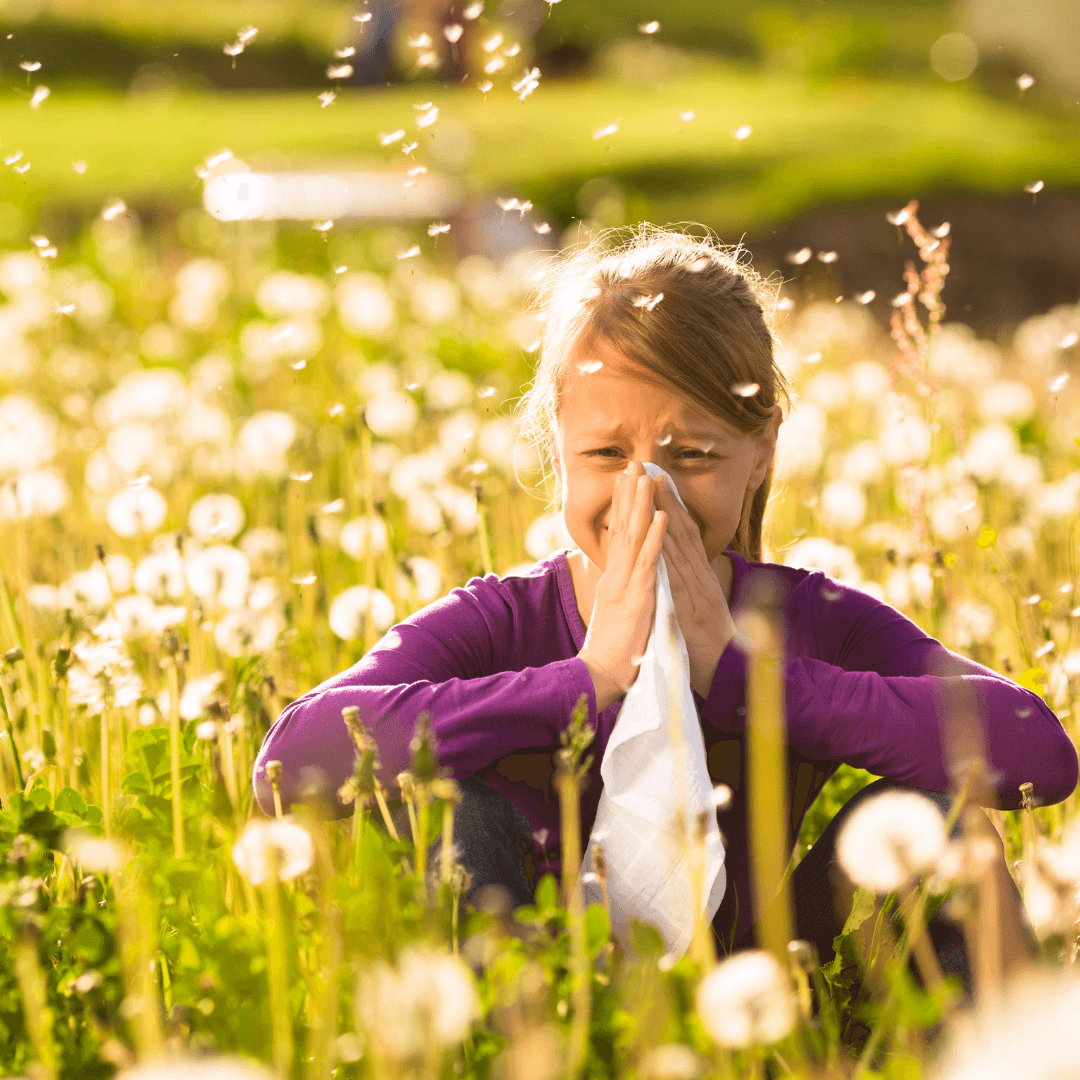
<point x="689" y="454"/>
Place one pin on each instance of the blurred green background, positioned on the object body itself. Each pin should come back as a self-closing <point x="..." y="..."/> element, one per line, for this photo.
<point x="853" y="109"/>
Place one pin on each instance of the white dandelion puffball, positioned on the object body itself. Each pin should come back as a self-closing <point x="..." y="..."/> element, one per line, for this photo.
<point x="286" y="293"/>
<point x="197" y="695"/>
<point x="424" y="579"/>
<point x="197" y="1068"/>
<point x="94" y="854"/>
<point x="820" y="553"/>
<point x="435" y="300"/>
<point x="1007" y="399"/>
<point x="360" y="534"/>
<point x="448" y="389"/>
<point x="266" y="549"/>
<point x="863" y="462"/>
<point x="989" y="451"/>
<point x="905" y="439"/>
<point x="427" y="995"/>
<point x="219" y="575"/>
<point x="547" y="534"/>
<point x="136" y="510"/>
<point x="284" y="841"/>
<point x="378" y="379"/>
<point x="160" y="575"/>
<point x="264" y="440"/>
<point x="800" y="444"/>
<point x="392" y="415"/>
<point x="364" y="306"/>
<point x="350" y="608"/>
<point x="216" y="518"/>
<point x="671" y="1061"/>
<point x="890" y="839"/>
<point x="746" y="1001"/>
<point x="36" y="494"/>
<point x="423" y="512"/>
<point x="247" y="632"/>
<point x="842" y="504"/>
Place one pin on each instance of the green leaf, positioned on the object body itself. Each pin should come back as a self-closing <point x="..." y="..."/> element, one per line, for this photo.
<point x="597" y="929"/>
<point x="69" y="801"/>
<point x="547" y="893"/>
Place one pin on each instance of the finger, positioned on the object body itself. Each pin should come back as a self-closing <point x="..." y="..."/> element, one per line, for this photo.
<point x="645" y="564"/>
<point x="641" y="513"/>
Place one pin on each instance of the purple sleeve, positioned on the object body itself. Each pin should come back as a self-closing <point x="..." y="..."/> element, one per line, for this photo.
<point x="874" y="701"/>
<point x="447" y="659"/>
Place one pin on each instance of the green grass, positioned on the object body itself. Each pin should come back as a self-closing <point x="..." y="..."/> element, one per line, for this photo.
<point x="811" y="143"/>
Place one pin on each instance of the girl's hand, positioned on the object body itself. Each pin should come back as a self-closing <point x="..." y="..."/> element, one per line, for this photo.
<point x="625" y="603"/>
<point x="700" y="605"/>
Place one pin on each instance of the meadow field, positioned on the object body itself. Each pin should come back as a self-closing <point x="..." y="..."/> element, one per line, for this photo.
<point x="233" y="454"/>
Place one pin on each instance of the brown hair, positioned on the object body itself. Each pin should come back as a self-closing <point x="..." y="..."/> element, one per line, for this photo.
<point x="689" y="316"/>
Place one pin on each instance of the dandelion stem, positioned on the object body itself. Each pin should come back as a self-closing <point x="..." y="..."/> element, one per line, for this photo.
<point x="33" y="989"/>
<point x="388" y="821"/>
<point x="137" y="947"/>
<point x="174" y="759"/>
<point x="106" y="807"/>
<point x="280" y="1016"/>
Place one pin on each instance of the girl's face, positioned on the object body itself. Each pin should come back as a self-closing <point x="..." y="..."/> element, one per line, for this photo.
<point x="608" y="418"/>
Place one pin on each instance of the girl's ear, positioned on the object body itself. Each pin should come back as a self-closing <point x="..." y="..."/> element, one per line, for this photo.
<point x="765" y="450"/>
<point x="556" y="464"/>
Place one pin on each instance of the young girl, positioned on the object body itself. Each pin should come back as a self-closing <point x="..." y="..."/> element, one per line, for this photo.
<point x="660" y="351"/>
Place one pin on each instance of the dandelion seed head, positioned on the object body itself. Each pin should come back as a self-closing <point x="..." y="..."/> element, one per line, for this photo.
<point x="485" y="86"/>
<point x="94" y="854"/>
<point x="409" y="253"/>
<point x="30" y="65"/>
<point x="266" y="843"/>
<point x="428" y="118"/>
<point x="233" y="48"/>
<point x="889" y="839"/>
<point x="24" y="167"/>
<point x="113" y="209"/>
<point x="746" y="1000"/>
<point x="216" y="518"/>
<point x="389" y="138"/>
<point x="362" y="17"/>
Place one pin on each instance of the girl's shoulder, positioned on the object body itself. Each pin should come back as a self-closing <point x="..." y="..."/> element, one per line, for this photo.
<point x="824" y="615"/>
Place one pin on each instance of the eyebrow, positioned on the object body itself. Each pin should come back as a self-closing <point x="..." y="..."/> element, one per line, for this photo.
<point x="619" y="429"/>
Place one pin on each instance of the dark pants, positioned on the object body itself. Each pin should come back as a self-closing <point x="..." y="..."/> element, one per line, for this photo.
<point x="494" y="843"/>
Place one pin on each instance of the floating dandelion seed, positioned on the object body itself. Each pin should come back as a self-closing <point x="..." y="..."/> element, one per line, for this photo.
<point x="114" y="209"/>
<point x="327" y="97"/>
<point x="48" y="253"/>
<point x="307" y="579"/>
<point x="428" y="118"/>
<point x="1025" y="82"/>
<point x="543" y="228"/>
<point x="1032" y="189"/>
<point x="39" y="95"/>
<point x="486" y="392"/>
<point x="301" y="477"/>
<point x="30" y="65"/>
<point x="323" y="226"/>
<point x="827" y="256"/>
<point x="12" y="158"/>
<point x="1069" y="340"/>
<point x="898" y="217"/>
<point x="648" y="302"/>
<point x="590" y="367"/>
<point x="246" y="33"/>
<point x="422" y="41"/>
<point x="649" y="27"/>
<point x="423" y="106"/>
<point x="527" y="83"/>
<point x="362" y="17"/>
<point x="813" y="358"/>
<point x="339" y="71"/>
<point x="803" y="255"/>
<point x="408" y="148"/>
<point x="785" y="303"/>
<point x="745" y="390"/>
<point x="901" y="299"/>
<point x="687" y="115"/>
<point x="416" y="170"/>
<point x="493" y="65"/>
<point x="437" y="228"/>
<point x="604" y="132"/>
<point x="485" y="86"/>
<point x="299" y="365"/>
<point x="64" y="309"/>
<point x="453" y="32"/>
<point x="79" y="167"/>
<point x="743" y="132"/>
<point x="24" y="167"/>
<point x="336" y="410"/>
<point x="344" y="54"/>
<point x="473" y="11"/>
<point x="866" y="297"/>
<point x="1058" y="383"/>
<point x="941" y="231"/>
<point x="392" y="137"/>
<point x="409" y="253"/>
<point x="39" y="241"/>
<point x="493" y="42"/>
<point x="511" y="52"/>
<point x="233" y="49"/>
<point x="334" y="507"/>
<point x="428" y="59"/>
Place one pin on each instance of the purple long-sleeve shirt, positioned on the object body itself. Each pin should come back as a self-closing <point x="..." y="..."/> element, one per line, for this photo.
<point x="495" y="663"/>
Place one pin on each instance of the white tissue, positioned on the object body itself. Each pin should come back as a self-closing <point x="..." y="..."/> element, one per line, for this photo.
<point x="655" y="749"/>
